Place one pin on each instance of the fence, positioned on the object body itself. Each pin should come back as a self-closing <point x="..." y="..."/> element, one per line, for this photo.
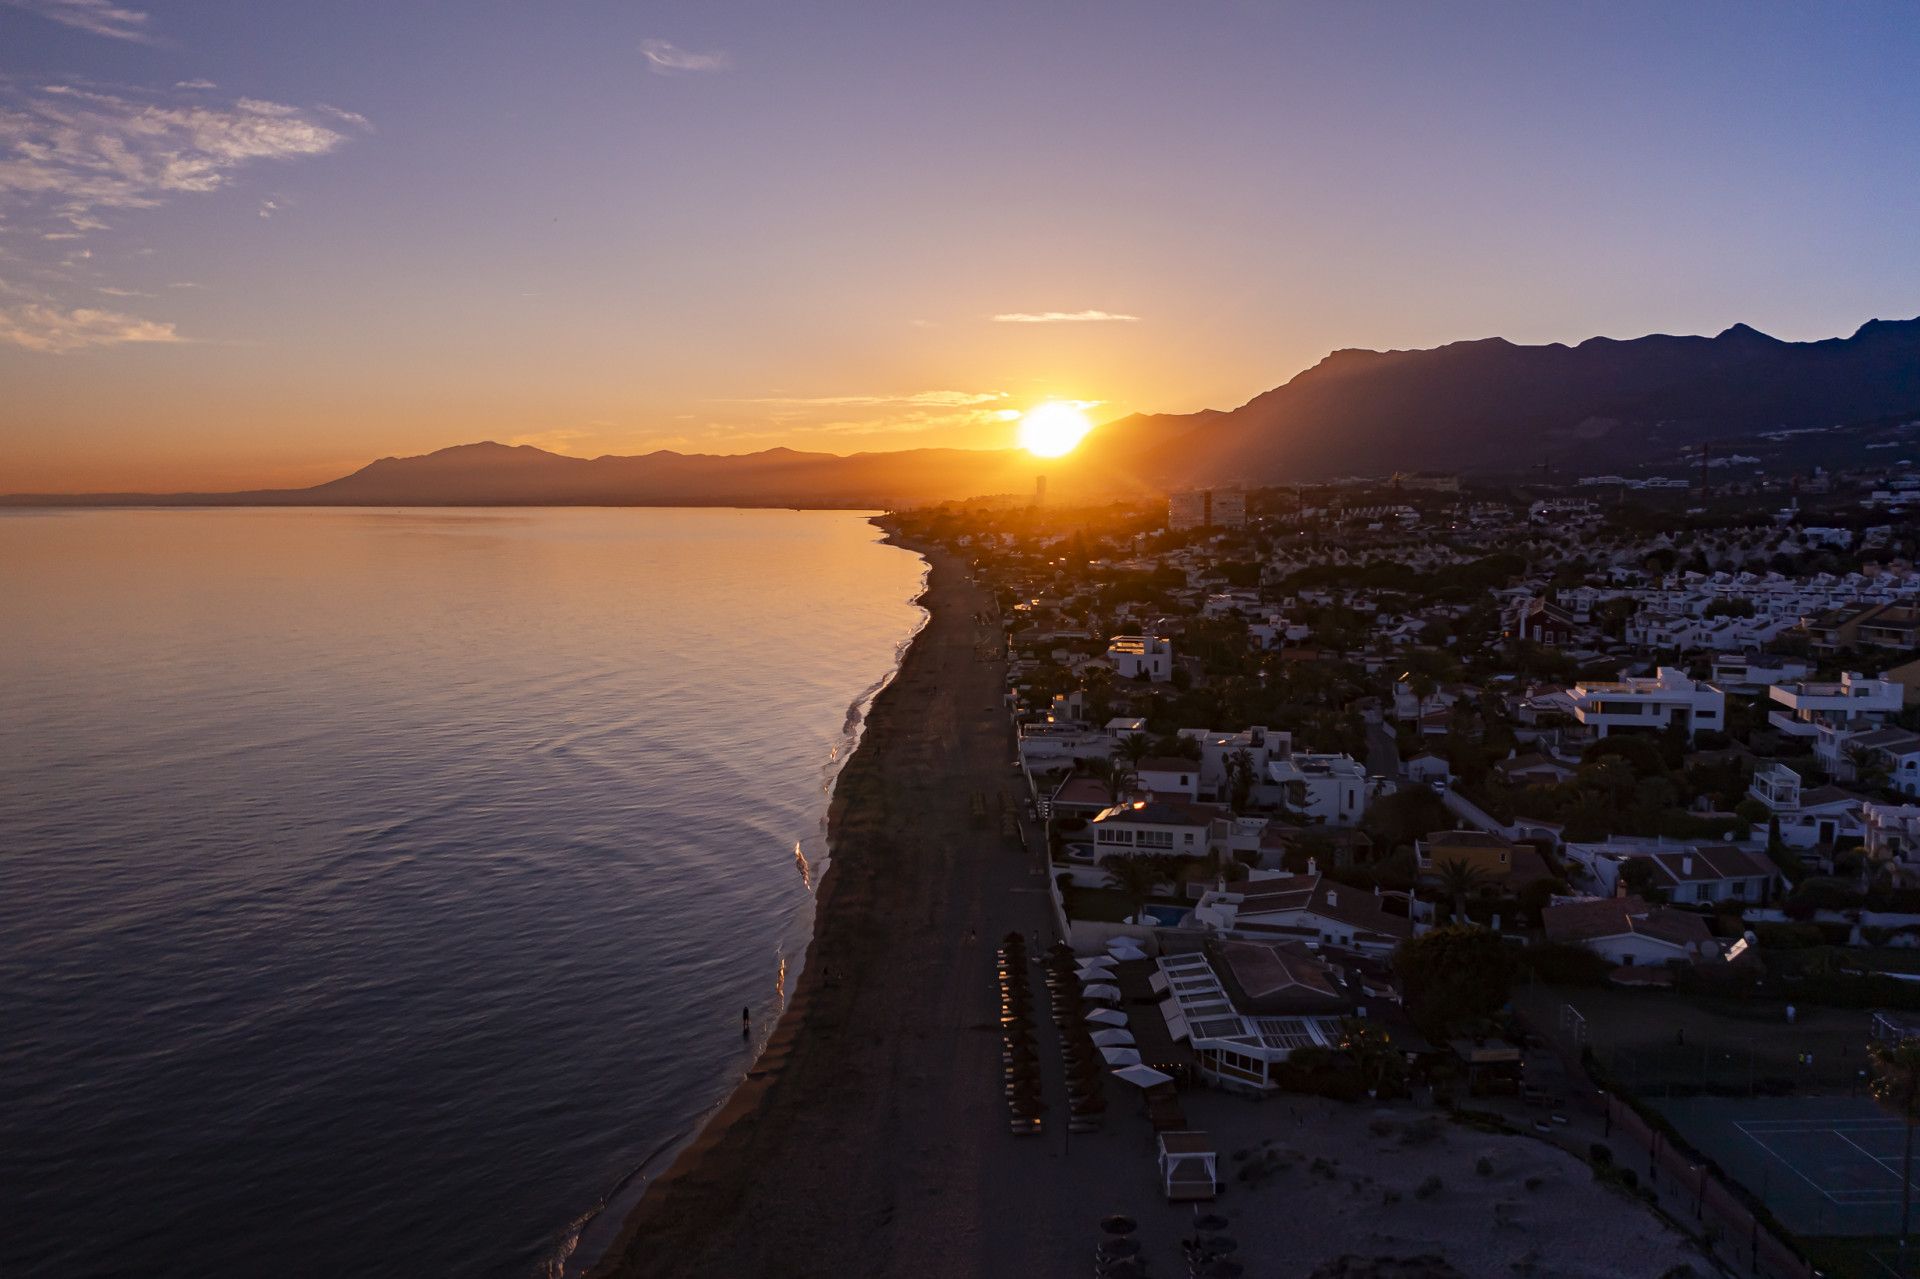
<point x="1689" y="1191"/>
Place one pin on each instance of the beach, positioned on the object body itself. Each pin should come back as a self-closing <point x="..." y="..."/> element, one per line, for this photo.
<point x="854" y="1120"/>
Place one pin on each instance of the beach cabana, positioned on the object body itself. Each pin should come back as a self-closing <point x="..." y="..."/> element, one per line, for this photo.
<point x="1101" y="990"/>
<point x="1189" y="1166"/>
<point x="1113" y="1037"/>
<point x="1106" y="1017"/>
<point x="1121" y="1056"/>
<point x="1143" y="1076"/>
<point x="1123" y="948"/>
<point x="1097" y="961"/>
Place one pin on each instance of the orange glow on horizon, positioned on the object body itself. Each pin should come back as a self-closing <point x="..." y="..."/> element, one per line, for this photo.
<point x="1053" y="429"/>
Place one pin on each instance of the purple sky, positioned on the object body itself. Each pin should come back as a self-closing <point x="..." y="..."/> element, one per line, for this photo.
<point x="246" y="243"/>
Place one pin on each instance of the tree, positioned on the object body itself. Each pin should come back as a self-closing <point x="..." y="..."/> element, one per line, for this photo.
<point x="1132" y="748"/>
<point x="1459" y="880"/>
<point x="1136" y="877"/>
<point x="1453" y="976"/>
<point x="1240" y="779"/>
<point x="1896" y="1086"/>
<point x="1870" y="769"/>
<point x="1638" y="875"/>
<point x="1294" y="800"/>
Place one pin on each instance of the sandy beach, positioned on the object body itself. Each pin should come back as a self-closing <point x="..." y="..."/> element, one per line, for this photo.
<point x="871" y="1139"/>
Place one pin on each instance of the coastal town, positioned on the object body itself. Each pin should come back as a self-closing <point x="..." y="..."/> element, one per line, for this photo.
<point x="1584" y="816"/>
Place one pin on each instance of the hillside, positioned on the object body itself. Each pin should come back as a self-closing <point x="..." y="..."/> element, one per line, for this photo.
<point x="1495" y="405"/>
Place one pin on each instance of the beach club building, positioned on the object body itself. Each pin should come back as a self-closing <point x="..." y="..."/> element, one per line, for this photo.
<point x="1236" y="1043"/>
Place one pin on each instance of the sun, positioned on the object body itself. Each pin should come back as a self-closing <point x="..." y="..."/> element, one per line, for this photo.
<point x="1052" y="429"/>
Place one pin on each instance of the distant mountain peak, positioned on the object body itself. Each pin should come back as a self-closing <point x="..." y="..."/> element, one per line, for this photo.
<point x="1745" y="333"/>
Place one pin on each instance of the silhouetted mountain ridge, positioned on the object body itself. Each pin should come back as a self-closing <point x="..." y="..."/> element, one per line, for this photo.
<point x="1483" y="404"/>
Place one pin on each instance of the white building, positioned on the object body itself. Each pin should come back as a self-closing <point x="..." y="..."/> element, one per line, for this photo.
<point x="1751" y="672"/>
<point x="1807" y="818"/>
<point x="1149" y="826"/>
<point x="1852" y="702"/>
<point x="1136" y="655"/>
<point x="1330" y="789"/>
<point x="1649" y="703"/>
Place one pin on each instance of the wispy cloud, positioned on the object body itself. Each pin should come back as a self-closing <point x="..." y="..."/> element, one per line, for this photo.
<point x="71" y="156"/>
<point x="101" y="17"/>
<point x="1064" y="317"/>
<point x="195" y="84"/>
<point x="67" y="154"/>
<point x="670" y="59"/>
<point x="941" y="399"/>
<point x="55" y="331"/>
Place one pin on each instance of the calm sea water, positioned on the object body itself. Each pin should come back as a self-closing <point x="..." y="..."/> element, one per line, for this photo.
<point x="377" y="889"/>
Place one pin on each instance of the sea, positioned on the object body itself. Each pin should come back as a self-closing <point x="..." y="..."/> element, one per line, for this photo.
<point x="380" y="890"/>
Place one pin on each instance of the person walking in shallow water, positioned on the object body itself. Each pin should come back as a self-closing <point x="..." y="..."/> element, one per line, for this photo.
<point x="746" y="1022"/>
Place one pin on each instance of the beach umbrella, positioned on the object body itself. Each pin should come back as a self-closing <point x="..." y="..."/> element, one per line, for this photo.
<point x="1142" y="1076"/>
<point x="1120" y="1056"/>
<point x="1095" y="976"/>
<point x="1119" y="1224"/>
<point x="1102" y="991"/>
<point x="1112" y="1037"/>
<point x="1125" y="948"/>
<point x="1114" y="1249"/>
<point x="1210" y="1222"/>
<point x="1097" y="961"/>
<point x="1106" y="1016"/>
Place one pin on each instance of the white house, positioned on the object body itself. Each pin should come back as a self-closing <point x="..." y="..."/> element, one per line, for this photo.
<point x="1149" y="826"/>
<point x="1751" y="672"/>
<point x="1851" y="702"/>
<point x="1302" y="907"/>
<point x="1626" y="931"/>
<point x="1642" y="703"/>
<point x="1169" y="777"/>
<point x="1892" y="832"/>
<point x="1136" y="655"/>
<point x="1808" y="818"/>
<point x="1330" y="789"/>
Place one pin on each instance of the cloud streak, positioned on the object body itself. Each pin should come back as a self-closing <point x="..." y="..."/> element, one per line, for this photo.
<point x="99" y="17"/>
<point x="69" y="154"/>
<point x="1064" y="317"/>
<point x="52" y="330"/>
<point x="664" y="58"/>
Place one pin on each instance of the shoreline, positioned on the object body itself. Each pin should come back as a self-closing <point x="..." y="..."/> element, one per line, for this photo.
<point x="700" y="1160"/>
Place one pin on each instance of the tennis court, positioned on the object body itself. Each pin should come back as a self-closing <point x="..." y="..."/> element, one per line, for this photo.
<point x="1823" y="1165"/>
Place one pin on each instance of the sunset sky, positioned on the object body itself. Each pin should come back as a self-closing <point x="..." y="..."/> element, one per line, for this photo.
<point x="247" y="243"/>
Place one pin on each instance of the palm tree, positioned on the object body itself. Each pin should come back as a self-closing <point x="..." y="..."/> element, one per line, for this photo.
<point x="1460" y="879"/>
<point x="1120" y="780"/>
<point x="1896" y="1086"/>
<point x="1133" y="748"/>
<point x="1136" y="876"/>
<point x="1240" y="779"/>
<point x="1870" y="770"/>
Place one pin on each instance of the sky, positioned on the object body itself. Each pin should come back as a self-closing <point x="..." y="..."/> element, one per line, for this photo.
<point x="253" y="244"/>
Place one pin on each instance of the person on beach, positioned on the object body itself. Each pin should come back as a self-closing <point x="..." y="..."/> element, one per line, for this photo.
<point x="746" y="1022"/>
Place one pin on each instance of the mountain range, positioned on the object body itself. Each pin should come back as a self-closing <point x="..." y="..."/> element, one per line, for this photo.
<point x="1475" y="406"/>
